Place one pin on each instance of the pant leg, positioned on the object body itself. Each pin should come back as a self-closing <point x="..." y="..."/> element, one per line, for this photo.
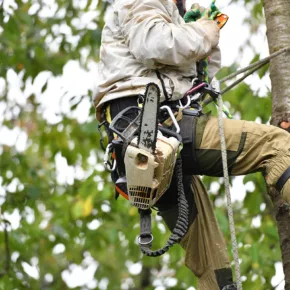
<point x="251" y="147"/>
<point x="205" y="249"/>
<point x="286" y="191"/>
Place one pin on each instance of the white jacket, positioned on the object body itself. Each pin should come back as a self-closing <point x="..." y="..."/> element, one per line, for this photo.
<point x="142" y="36"/>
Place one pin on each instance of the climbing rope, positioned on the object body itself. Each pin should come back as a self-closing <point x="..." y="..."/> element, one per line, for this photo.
<point x="228" y="193"/>
<point x="250" y="69"/>
<point x="202" y="69"/>
<point x="256" y="65"/>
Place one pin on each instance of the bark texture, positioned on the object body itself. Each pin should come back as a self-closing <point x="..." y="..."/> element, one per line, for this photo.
<point x="277" y="14"/>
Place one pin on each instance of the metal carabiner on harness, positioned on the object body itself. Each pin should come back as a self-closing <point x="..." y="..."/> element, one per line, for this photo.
<point x="180" y="106"/>
<point x="168" y="109"/>
<point x="107" y="164"/>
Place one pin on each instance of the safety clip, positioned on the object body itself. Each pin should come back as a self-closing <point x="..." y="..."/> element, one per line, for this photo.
<point x="107" y="164"/>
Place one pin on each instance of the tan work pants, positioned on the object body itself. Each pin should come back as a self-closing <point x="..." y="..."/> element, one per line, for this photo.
<point x="205" y="248"/>
<point x="260" y="148"/>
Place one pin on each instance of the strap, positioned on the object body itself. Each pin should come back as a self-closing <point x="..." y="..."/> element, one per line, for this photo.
<point x="181" y="226"/>
<point x="188" y="153"/>
<point x="106" y="124"/>
<point x="179" y="4"/>
<point x="163" y="85"/>
<point x="145" y="239"/>
<point x="283" y="179"/>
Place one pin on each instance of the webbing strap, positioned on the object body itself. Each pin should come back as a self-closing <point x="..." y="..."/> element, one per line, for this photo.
<point x="283" y="179"/>
<point x="163" y="85"/>
<point x="181" y="226"/>
<point x="187" y="132"/>
<point x="145" y="238"/>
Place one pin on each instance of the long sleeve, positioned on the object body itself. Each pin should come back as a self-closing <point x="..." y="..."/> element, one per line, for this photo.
<point x="214" y="64"/>
<point x="153" y="39"/>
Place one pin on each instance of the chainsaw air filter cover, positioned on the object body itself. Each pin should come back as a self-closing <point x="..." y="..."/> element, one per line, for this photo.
<point x="149" y="175"/>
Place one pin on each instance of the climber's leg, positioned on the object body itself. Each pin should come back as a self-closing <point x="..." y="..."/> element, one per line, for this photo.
<point x="205" y="249"/>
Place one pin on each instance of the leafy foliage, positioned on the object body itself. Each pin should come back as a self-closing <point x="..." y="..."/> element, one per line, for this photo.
<point x="64" y="219"/>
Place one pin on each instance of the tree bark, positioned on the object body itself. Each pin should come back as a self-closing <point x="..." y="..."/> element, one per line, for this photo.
<point x="277" y="13"/>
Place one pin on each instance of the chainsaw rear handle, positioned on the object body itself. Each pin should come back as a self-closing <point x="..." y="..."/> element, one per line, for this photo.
<point x="170" y="133"/>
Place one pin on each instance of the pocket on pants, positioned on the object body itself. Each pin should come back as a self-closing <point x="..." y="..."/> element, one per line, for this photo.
<point x="209" y="152"/>
<point x="233" y="130"/>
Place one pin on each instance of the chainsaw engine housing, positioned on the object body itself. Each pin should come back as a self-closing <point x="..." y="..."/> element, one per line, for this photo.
<point x="149" y="175"/>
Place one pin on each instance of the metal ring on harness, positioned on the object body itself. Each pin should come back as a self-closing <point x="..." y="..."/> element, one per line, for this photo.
<point x="187" y="104"/>
<point x="107" y="164"/>
<point x="172" y="117"/>
<point x="145" y="243"/>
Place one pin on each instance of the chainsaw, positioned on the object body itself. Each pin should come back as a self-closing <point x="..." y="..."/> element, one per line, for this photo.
<point x="146" y="154"/>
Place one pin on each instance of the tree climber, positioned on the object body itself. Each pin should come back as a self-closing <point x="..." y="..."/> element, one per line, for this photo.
<point x="147" y="41"/>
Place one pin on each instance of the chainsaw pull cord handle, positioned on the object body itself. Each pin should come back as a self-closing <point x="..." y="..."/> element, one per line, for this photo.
<point x="145" y="239"/>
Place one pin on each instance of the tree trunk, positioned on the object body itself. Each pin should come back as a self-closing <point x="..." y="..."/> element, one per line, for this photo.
<point x="277" y="14"/>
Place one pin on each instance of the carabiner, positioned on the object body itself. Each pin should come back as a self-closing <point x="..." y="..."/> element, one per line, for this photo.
<point x="172" y="117"/>
<point x="108" y="166"/>
<point x="187" y="104"/>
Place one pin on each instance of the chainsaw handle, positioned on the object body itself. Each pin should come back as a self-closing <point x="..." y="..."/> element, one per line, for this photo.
<point x="170" y="133"/>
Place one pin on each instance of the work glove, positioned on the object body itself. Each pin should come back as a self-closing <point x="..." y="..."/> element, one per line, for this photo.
<point x="197" y="12"/>
<point x="212" y="13"/>
<point x="200" y="14"/>
<point x="194" y="13"/>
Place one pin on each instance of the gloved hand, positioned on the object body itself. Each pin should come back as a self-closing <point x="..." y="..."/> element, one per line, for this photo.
<point x="213" y="11"/>
<point x="194" y="13"/>
<point x="197" y="12"/>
